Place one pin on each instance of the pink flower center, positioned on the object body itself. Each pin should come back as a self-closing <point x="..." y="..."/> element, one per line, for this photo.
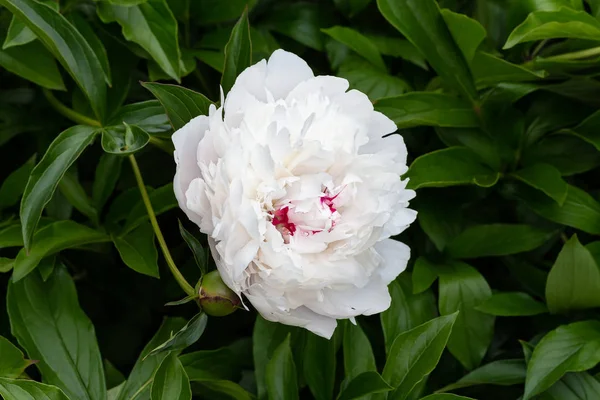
<point x="281" y="220"/>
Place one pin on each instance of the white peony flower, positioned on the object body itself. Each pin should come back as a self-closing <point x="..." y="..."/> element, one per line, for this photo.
<point x="298" y="192"/>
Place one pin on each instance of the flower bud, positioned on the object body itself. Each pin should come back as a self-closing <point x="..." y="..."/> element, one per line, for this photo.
<point x="215" y="297"/>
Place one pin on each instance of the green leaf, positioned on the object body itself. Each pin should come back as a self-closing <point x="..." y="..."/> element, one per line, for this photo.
<point x="140" y="378"/>
<point x="47" y="266"/>
<point x="512" y="304"/>
<point x="468" y="33"/>
<point x="573" y="386"/>
<point x="195" y="247"/>
<point x="213" y="365"/>
<point x="124" y="141"/>
<point x="231" y="390"/>
<point x="445" y="396"/>
<point x="574" y="280"/>
<point x="187" y="336"/>
<point x="441" y="221"/>
<point x="34" y="63"/>
<point x="11" y="236"/>
<point x="281" y="373"/>
<point x="580" y="210"/>
<point x="369" y="382"/>
<point x="564" y="23"/>
<point x="75" y="194"/>
<point x="214" y="59"/>
<point x="423" y="275"/>
<point x="12" y="363"/>
<point x="180" y="104"/>
<point x="162" y="200"/>
<point x="67" y="45"/>
<point x="138" y="250"/>
<point x="14" y="184"/>
<point x="569" y="348"/>
<point x="426" y="108"/>
<point x="46" y="175"/>
<point x="407" y="310"/>
<point x="319" y="366"/>
<point x="238" y="52"/>
<point x="351" y="7"/>
<point x="496" y="240"/>
<point x="358" y="43"/>
<point x="450" y="167"/>
<point x="301" y="21"/>
<point x="588" y="130"/>
<point x="21" y="389"/>
<point x="397" y="47"/>
<point x="546" y="178"/>
<point x="46" y="320"/>
<point x="107" y="175"/>
<point x="358" y="353"/>
<point x="501" y="372"/>
<point x="152" y="26"/>
<point x="421" y="22"/>
<point x="148" y="115"/>
<point x="370" y="80"/>
<point x="489" y="70"/>
<point x="6" y="264"/>
<point x="556" y="150"/>
<point x="170" y="381"/>
<point x="97" y="46"/>
<point x="462" y="288"/>
<point x="415" y="353"/>
<point x="51" y="239"/>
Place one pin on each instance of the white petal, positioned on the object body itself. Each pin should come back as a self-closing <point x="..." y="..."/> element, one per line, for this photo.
<point x="395" y="258"/>
<point x="285" y="71"/>
<point x="186" y="142"/>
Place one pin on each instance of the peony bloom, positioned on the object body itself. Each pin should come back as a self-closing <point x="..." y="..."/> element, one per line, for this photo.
<point x="299" y="193"/>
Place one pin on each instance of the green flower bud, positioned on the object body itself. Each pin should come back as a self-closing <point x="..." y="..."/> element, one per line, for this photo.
<point x="215" y="297"/>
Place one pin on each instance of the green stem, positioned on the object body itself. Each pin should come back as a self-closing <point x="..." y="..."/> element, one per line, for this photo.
<point x="187" y="288"/>
<point x="68" y="112"/>
<point x="576" y="55"/>
<point x="162" y="144"/>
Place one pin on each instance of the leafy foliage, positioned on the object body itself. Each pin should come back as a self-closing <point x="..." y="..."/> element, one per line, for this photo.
<point x="497" y="102"/>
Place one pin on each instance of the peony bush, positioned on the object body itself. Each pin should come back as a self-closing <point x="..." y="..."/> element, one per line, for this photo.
<point x="331" y="199"/>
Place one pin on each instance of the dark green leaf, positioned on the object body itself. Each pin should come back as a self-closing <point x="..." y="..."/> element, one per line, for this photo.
<point x="11" y="236"/>
<point x="152" y="26"/>
<point x="450" y="167"/>
<point x="501" y="372"/>
<point x="14" y="184"/>
<point x="370" y="80"/>
<point x="125" y="141"/>
<point x="107" y="174"/>
<point x="170" y="381"/>
<point x="580" y="210"/>
<point x="496" y="240"/>
<point x="280" y="374"/>
<point x="231" y="390"/>
<point x="396" y="47"/>
<point x="415" y="353"/>
<point x="573" y="386"/>
<point x="433" y="109"/>
<point x="34" y="63"/>
<point x="357" y="42"/>
<point x="407" y="310"/>
<point x="462" y="288"/>
<point x="556" y="150"/>
<point x="46" y="319"/>
<point x="187" y="336"/>
<point x="89" y="35"/>
<point x="423" y="275"/>
<point x="422" y="23"/>
<point x="195" y="247"/>
<point x="364" y="384"/>
<point x="489" y="69"/>
<point x="574" y="281"/>
<point x="21" y="389"/>
<point x="238" y="52"/>
<point x="46" y="175"/>
<point x="139" y="381"/>
<point x="351" y="7"/>
<point x="216" y="11"/>
<point x="12" y="363"/>
<point x="512" y="304"/>
<point x="67" y="45"/>
<point x="50" y="240"/>
<point x="6" y="264"/>
<point x="138" y="250"/>
<point x="148" y="115"/>
<point x="212" y="365"/>
<point x="162" y="200"/>
<point x="564" y="23"/>
<point x="180" y="104"/>
<point x="18" y="33"/>
<point x="72" y="190"/>
<point x="569" y="348"/>
<point x="446" y="396"/>
<point x="546" y="178"/>
<point x="467" y="32"/>
<point x="588" y="130"/>
<point x="319" y="366"/>
<point x="358" y="353"/>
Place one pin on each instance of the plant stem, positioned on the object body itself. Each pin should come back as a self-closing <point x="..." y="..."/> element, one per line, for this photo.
<point x="187" y="288"/>
<point x="68" y="112"/>
<point x="576" y="55"/>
